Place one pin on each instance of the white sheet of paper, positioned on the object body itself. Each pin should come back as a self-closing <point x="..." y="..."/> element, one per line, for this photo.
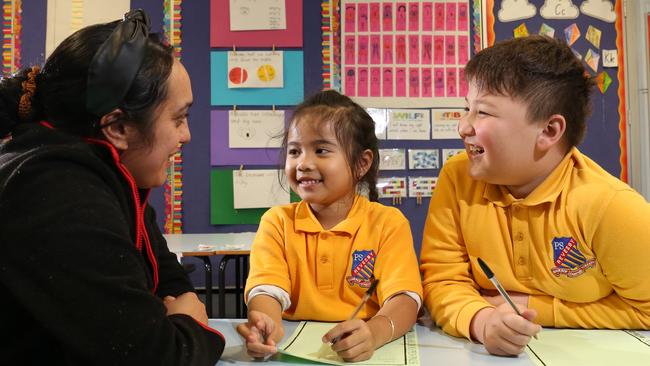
<point x="254" y="129"/>
<point x="391" y="187"/>
<point x="258" y="189"/>
<point x="444" y="123"/>
<point x="392" y="159"/>
<point x="424" y="159"/>
<point x="257" y="15"/>
<point x="380" y="116"/>
<point x="409" y="124"/>
<point x="60" y="20"/>
<point x="448" y="153"/>
<point x="255" y="69"/>
<point x="422" y="185"/>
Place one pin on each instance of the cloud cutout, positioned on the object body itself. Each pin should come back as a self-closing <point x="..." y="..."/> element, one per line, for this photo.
<point x="559" y="9"/>
<point x="512" y="10"/>
<point x="599" y="9"/>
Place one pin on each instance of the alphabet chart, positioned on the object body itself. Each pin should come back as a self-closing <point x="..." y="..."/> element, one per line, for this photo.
<point x="397" y="53"/>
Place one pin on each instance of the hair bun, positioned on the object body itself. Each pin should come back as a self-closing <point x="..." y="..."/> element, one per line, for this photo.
<point x="29" y="88"/>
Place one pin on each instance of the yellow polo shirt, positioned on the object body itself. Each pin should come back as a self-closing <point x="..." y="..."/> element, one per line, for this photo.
<point x="579" y="245"/>
<point x="327" y="272"/>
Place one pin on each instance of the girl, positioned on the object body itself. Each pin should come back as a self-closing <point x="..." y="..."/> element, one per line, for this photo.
<point x="85" y="274"/>
<point x="314" y="260"/>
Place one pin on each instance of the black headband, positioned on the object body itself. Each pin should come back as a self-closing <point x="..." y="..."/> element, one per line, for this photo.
<point x="116" y="63"/>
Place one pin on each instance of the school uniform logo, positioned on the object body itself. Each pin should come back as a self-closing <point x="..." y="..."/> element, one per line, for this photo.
<point x="568" y="259"/>
<point x="363" y="267"/>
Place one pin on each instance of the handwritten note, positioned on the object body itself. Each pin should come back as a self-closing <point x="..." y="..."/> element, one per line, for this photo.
<point x="248" y="15"/>
<point x="252" y="129"/>
<point x="409" y="124"/>
<point x="258" y="189"/>
<point x="444" y="124"/>
<point x="255" y="69"/>
<point x="392" y="159"/>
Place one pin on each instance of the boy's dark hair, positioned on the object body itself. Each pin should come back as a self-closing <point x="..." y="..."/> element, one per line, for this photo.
<point x="60" y="91"/>
<point x="541" y="71"/>
<point x="353" y="127"/>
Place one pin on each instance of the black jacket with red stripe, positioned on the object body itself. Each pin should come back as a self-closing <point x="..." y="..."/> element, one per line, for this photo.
<point x="83" y="265"/>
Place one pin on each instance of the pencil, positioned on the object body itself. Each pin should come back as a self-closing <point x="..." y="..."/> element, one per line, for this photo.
<point x="364" y="300"/>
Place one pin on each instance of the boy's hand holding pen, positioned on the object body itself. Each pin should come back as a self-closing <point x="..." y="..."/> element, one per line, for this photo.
<point x="499" y="329"/>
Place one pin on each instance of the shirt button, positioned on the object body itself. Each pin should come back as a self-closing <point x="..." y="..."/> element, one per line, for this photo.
<point x="522" y="261"/>
<point x="520" y="236"/>
<point x="324" y="259"/>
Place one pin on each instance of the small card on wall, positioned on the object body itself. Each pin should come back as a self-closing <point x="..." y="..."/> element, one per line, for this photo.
<point x="255" y="129"/>
<point x="444" y="124"/>
<point x="392" y="159"/>
<point x="409" y="124"/>
<point x="422" y="186"/>
<point x="246" y="15"/>
<point x="255" y="69"/>
<point x="391" y="187"/>
<point x="258" y="189"/>
<point x="423" y="159"/>
<point x="448" y="153"/>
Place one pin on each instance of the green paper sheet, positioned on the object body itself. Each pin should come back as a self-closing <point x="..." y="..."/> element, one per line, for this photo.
<point x="557" y="347"/>
<point x="305" y="343"/>
<point x="222" y="210"/>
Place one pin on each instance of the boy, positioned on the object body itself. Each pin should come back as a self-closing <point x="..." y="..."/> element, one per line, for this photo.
<point x="566" y="239"/>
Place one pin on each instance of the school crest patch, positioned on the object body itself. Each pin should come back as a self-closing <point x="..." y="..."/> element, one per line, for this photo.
<point x="568" y="258"/>
<point x="363" y="267"/>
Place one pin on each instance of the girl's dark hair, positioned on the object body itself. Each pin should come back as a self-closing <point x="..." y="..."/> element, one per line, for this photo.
<point x="353" y="127"/>
<point x="60" y="95"/>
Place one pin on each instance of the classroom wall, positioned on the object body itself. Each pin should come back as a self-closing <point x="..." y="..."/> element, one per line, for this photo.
<point x="600" y="141"/>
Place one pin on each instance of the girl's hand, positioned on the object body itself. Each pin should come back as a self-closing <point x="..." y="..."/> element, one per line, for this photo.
<point x="355" y="340"/>
<point x="260" y="334"/>
<point x="504" y="332"/>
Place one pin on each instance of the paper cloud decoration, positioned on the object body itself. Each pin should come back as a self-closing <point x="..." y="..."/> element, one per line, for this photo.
<point x="559" y="9"/>
<point x="599" y="9"/>
<point x="512" y="10"/>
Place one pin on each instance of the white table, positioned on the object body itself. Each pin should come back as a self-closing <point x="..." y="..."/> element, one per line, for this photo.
<point x="235" y="246"/>
<point x="436" y="348"/>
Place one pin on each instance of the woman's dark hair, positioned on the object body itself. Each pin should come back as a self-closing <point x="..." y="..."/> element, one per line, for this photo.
<point x="61" y="86"/>
<point x="353" y="127"/>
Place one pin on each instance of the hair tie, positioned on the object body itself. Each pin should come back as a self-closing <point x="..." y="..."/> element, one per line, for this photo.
<point x="29" y="88"/>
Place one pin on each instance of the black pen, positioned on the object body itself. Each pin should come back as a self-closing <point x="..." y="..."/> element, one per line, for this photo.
<point x="490" y="275"/>
<point x="364" y="300"/>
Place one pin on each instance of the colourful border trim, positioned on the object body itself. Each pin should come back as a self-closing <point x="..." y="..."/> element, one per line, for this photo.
<point x="491" y="35"/>
<point x="11" y="31"/>
<point x="478" y="31"/>
<point x="326" y="43"/>
<point x="622" y="123"/>
<point x="174" y="186"/>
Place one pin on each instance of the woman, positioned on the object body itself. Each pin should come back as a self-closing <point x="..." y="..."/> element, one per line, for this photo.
<point x="85" y="275"/>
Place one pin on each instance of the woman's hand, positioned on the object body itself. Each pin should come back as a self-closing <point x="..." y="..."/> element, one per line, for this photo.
<point x="188" y="304"/>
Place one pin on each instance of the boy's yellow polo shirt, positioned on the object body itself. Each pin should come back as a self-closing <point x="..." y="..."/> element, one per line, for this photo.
<point x="327" y="272"/>
<point x="579" y="245"/>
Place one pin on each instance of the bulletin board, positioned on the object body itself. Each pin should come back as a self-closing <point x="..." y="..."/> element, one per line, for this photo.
<point x="205" y="157"/>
